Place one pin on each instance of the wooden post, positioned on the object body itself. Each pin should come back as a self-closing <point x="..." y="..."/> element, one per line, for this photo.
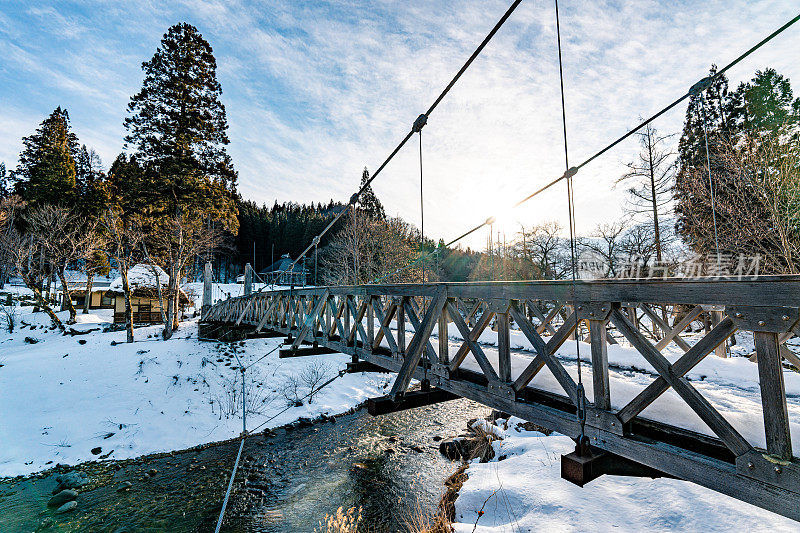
<point x="503" y="348"/>
<point x="722" y="349"/>
<point x="370" y="324"/>
<point x="207" y="288"/>
<point x="773" y="395"/>
<point x="600" y="380"/>
<point x="346" y="340"/>
<point x="401" y="328"/>
<point x="444" y="341"/>
<point x="248" y="279"/>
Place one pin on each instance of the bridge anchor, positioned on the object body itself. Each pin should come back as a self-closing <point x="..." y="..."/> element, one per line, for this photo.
<point x="587" y="464"/>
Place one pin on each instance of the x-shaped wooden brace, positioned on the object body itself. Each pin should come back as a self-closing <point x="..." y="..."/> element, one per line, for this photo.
<point x="311" y="319"/>
<point x="358" y="316"/>
<point x="384" y="318"/>
<point x="544" y="321"/>
<point x="545" y="353"/>
<point x="411" y="313"/>
<point x="682" y="366"/>
<point x="470" y="337"/>
<point x="336" y="318"/>
<point x="674" y="377"/>
<point x="470" y="341"/>
<point x="417" y="344"/>
<point x="267" y="314"/>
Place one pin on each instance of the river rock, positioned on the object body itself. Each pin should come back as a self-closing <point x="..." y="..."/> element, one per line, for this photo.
<point x="450" y="449"/>
<point x="125" y="486"/>
<point x="97" y="451"/>
<point x="62" y="497"/>
<point x="67" y="507"/>
<point x="70" y="480"/>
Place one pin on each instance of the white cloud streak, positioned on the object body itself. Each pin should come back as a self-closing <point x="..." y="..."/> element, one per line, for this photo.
<point x="317" y="90"/>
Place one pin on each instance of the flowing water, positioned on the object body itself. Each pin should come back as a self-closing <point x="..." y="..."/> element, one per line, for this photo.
<point x="389" y="467"/>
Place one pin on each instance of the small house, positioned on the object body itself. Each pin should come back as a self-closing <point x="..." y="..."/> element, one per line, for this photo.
<point x="144" y="281"/>
<point x="281" y="272"/>
<point x="78" y="290"/>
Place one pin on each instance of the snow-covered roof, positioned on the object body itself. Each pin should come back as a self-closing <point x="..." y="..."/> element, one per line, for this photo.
<point x="141" y="276"/>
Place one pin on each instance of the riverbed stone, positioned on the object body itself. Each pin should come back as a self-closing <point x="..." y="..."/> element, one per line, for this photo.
<point x="62" y="497"/>
<point x="67" y="507"/>
<point x="70" y="480"/>
<point x="124" y="486"/>
<point x="450" y="449"/>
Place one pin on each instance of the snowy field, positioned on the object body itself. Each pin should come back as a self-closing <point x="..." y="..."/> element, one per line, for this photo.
<point x="525" y="492"/>
<point x="64" y="396"/>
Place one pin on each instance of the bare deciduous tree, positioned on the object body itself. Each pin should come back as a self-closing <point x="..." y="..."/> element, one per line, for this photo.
<point x="175" y="242"/>
<point x="123" y="243"/>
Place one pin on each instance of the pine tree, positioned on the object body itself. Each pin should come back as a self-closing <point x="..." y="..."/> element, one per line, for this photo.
<point x="368" y="202"/>
<point x="756" y="112"/>
<point x="179" y="128"/>
<point x="46" y="171"/>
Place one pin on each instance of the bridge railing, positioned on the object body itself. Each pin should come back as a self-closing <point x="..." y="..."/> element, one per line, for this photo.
<point x="393" y="326"/>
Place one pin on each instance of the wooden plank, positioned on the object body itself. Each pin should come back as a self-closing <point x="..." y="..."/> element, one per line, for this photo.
<point x="721" y="427"/>
<point x="444" y="339"/>
<point x="411" y="400"/>
<point x="689" y="360"/>
<point x="417" y="346"/>
<point x="773" y="395"/>
<point x="503" y="348"/>
<point x="600" y="378"/>
<point x="401" y="328"/>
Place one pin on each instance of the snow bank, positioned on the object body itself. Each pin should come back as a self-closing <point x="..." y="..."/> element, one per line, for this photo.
<point x="63" y="396"/>
<point x="525" y="492"/>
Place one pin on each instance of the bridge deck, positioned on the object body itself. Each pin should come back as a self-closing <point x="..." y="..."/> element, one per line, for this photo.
<point x="392" y="326"/>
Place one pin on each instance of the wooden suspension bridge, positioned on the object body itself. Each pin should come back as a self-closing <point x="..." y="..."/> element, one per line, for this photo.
<point x="390" y="328"/>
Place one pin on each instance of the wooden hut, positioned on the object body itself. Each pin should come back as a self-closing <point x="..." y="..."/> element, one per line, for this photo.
<point x="144" y="281"/>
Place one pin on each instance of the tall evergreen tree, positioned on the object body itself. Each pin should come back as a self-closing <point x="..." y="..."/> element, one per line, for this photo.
<point x="370" y="205"/>
<point x="46" y="171"/>
<point x="758" y="111"/>
<point x="178" y="127"/>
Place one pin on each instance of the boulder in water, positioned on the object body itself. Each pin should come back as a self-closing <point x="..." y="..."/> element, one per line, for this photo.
<point x="62" y="497"/>
<point x="67" y="507"/>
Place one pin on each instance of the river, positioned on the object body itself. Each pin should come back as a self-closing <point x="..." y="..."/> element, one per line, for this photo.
<point x="389" y="467"/>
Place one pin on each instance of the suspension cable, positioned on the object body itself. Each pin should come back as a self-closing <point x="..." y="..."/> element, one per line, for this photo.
<point x="710" y="181"/>
<point x="581" y="396"/>
<point x="464" y="67"/>
<point x="571" y="171"/>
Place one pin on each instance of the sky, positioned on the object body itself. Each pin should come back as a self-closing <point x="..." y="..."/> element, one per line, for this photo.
<point x="316" y="91"/>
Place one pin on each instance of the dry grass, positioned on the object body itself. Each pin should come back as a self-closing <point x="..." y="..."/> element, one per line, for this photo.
<point x="340" y="522"/>
<point x="442" y="521"/>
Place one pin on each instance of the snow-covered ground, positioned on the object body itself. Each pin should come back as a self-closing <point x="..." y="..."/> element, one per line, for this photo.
<point x="63" y="396"/>
<point x="525" y="492"/>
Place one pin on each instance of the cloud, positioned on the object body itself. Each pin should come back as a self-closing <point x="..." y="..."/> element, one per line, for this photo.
<point x="315" y="91"/>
